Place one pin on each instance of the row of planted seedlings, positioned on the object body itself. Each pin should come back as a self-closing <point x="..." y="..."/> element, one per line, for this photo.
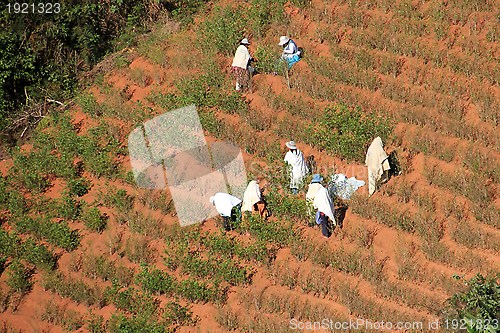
<point x="404" y="42"/>
<point x="323" y="279"/>
<point x="408" y="17"/>
<point x="319" y="87"/>
<point x="476" y="159"/>
<point x="429" y="228"/>
<point x="462" y="228"/>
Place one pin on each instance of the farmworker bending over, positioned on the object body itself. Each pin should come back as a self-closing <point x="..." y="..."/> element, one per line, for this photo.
<point x="253" y="201"/>
<point x="229" y="207"/>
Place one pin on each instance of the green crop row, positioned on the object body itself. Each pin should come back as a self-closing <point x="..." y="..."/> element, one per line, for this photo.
<point x="13" y="246"/>
<point x="160" y="282"/>
<point x="57" y="233"/>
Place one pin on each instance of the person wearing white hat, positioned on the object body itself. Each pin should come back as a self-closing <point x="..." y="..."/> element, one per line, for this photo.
<point x="291" y="53"/>
<point x="241" y="66"/>
<point x="228" y="206"/>
<point x="295" y="158"/>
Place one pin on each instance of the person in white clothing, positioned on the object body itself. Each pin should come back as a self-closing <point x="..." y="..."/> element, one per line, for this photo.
<point x="291" y="53"/>
<point x="314" y="186"/>
<point x="253" y="201"/>
<point x="378" y="164"/>
<point x="325" y="215"/>
<point x="228" y="206"/>
<point x="296" y="160"/>
<point x="240" y="65"/>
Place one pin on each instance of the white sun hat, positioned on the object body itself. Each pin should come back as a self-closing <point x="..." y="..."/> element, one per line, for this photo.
<point x="291" y="145"/>
<point x="245" y="41"/>
<point x="284" y="40"/>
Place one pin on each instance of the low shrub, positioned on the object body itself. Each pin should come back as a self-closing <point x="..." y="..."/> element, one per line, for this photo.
<point x="78" y="187"/>
<point x="57" y="233"/>
<point x="478" y="306"/>
<point x="20" y="277"/>
<point x="94" y="219"/>
<point x="348" y="132"/>
<point x="178" y="315"/>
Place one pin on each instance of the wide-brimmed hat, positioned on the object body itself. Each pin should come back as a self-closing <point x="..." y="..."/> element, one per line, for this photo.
<point x="291" y="145"/>
<point x="245" y="41"/>
<point x="317" y="178"/>
<point x="284" y="40"/>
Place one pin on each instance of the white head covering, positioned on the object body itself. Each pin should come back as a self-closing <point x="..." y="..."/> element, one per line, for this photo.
<point x="283" y="40"/>
<point x="377" y="162"/>
<point x="245" y="41"/>
<point x="324" y="203"/>
<point x="251" y="197"/>
<point x="224" y="203"/>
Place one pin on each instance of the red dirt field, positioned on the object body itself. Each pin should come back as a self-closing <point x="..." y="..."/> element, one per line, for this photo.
<point x="375" y="267"/>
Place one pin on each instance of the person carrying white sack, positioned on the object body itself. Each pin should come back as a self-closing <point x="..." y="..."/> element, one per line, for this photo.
<point x="253" y="201"/>
<point x="324" y="205"/>
<point x="228" y="206"/>
<point x="295" y="158"/>
<point x="241" y="65"/>
<point x="377" y="162"/>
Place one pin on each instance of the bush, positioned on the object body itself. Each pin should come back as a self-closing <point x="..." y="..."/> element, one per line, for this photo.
<point x="478" y="306"/>
<point x="94" y="220"/>
<point x="69" y="208"/>
<point x="178" y="315"/>
<point x="267" y="60"/>
<point x="347" y="133"/>
<point x="223" y="30"/>
<point x="57" y="233"/>
<point x="156" y="281"/>
<point x="78" y="187"/>
<point x="19" y="279"/>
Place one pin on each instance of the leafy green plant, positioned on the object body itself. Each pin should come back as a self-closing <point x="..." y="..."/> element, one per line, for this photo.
<point x="78" y="187"/>
<point x="348" y="132"/>
<point x="19" y="279"/>
<point x="156" y="281"/>
<point x="94" y="219"/>
<point x="478" y="306"/>
<point x="178" y="315"/>
<point x="223" y="29"/>
<point x="68" y="208"/>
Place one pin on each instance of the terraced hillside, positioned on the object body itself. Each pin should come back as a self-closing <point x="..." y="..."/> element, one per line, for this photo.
<point x="82" y="248"/>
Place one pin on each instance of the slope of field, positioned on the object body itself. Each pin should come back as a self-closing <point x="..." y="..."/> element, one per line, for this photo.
<point x="104" y="255"/>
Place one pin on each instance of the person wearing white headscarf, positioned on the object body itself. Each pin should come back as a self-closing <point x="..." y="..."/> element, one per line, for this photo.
<point x="224" y="204"/>
<point x="324" y="204"/>
<point x="252" y="200"/>
<point x="377" y="162"/>
<point x="240" y="65"/>
<point x="295" y="158"/>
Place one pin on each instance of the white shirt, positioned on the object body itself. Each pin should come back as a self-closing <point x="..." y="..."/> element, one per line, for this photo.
<point x="298" y="163"/>
<point x="241" y="57"/>
<point x="291" y="48"/>
<point x="224" y="202"/>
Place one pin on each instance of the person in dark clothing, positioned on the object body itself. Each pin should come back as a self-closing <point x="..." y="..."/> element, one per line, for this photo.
<point x="322" y="220"/>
